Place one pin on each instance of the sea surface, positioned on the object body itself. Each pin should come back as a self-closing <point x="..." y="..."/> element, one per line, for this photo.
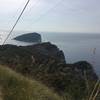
<point x="76" y="46"/>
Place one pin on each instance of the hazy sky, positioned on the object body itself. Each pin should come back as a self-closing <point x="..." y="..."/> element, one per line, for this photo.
<point x="52" y="15"/>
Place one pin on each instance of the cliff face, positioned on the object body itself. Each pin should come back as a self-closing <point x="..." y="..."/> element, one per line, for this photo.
<point x="29" y="37"/>
<point x="46" y="63"/>
<point x="40" y="53"/>
<point x="44" y="52"/>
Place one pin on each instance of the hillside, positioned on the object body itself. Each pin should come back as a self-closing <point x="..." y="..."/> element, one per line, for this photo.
<point x="14" y="86"/>
<point x="45" y="63"/>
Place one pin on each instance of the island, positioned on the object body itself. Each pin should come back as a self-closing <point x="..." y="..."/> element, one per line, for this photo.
<point x="29" y="37"/>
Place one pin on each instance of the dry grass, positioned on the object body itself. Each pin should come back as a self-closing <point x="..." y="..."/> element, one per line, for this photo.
<point x="16" y="87"/>
<point x="95" y="91"/>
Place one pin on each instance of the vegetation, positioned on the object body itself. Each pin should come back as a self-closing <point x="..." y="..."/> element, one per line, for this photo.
<point x="14" y="86"/>
<point x="46" y="64"/>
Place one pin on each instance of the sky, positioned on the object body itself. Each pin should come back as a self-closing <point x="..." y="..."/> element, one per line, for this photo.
<point x="51" y="15"/>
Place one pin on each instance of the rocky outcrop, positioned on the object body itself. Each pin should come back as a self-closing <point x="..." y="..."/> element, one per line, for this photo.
<point x="29" y="37"/>
<point x="46" y="51"/>
<point x="46" y="63"/>
<point x="41" y="53"/>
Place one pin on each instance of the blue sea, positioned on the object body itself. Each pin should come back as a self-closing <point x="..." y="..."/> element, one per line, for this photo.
<point x="76" y="46"/>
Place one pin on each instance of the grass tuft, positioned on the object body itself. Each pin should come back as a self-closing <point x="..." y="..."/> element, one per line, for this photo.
<point x="16" y="87"/>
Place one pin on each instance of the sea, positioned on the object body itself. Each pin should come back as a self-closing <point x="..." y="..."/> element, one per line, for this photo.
<point x="76" y="46"/>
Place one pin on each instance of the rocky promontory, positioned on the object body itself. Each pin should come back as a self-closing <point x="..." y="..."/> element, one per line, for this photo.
<point x="46" y="63"/>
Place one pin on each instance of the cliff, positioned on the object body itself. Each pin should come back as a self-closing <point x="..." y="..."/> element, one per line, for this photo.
<point x="29" y="37"/>
<point x="40" y="53"/>
<point x="46" y="63"/>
